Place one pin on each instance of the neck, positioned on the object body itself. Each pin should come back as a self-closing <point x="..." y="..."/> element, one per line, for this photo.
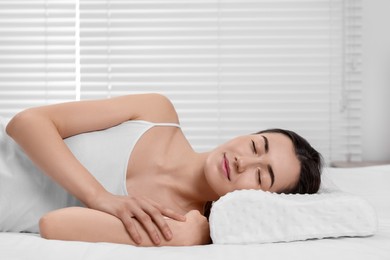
<point x="189" y="178"/>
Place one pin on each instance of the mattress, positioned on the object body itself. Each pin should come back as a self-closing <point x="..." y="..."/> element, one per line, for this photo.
<point x="370" y="183"/>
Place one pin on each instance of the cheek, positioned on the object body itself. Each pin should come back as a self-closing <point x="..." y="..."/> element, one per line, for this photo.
<point x="250" y="181"/>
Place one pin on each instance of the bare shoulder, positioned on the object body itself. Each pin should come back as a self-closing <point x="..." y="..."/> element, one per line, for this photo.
<point x="158" y="108"/>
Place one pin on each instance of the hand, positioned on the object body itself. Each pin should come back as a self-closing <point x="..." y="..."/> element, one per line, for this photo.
<point x="197" y="229"/>
<point x="147" y="212"/>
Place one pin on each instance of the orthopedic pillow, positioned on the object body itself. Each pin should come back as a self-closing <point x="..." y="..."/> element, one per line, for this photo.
<point x="254" y="216"/>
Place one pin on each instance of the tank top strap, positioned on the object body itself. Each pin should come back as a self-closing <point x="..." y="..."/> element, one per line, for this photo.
<point x="167" y="124"/>
<point x="151" y="124"/>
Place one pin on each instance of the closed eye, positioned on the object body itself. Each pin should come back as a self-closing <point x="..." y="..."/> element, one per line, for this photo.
<point x="259" y="176"/>
<point x="254" y="147"/>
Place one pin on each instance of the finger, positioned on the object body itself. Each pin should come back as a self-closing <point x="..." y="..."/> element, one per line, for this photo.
<point x="168" y="212"/>
<point x="159" y="215"/>
<point x="163" y="227"/>
<point x="148" y="224"/>
<point x="172" y="214"/>
<point x="158" y="218"/>
<point x="132" y="229"/>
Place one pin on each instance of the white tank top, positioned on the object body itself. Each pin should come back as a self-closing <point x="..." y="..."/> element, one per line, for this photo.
<point x="26" y="193"/>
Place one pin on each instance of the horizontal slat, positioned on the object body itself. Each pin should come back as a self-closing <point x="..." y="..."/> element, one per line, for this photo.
<point x="230" y="67"/>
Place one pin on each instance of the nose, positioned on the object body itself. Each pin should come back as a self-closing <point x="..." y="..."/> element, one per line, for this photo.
<point x="242" y="163"/>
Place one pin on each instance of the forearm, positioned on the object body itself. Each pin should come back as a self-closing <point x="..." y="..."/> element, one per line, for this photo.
<point x="39" y="138"/>
<point x="81" y="224"/>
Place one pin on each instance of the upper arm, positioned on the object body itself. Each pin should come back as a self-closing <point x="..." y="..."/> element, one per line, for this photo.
<point x="83" y="116"/>
<point x="84" y="224"/>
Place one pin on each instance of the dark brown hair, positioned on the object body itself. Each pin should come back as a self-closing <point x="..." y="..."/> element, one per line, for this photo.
<point x="310" y="161"/>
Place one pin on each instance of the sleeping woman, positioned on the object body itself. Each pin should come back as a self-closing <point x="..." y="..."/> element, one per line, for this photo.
<point x="121" y="170"/>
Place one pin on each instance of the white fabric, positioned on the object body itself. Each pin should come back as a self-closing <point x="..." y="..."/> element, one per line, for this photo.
<point x="372" y="184"/>
<point x="253" y="216"/>
<point x="106" y="153"/>
<point x="26" y="193"/>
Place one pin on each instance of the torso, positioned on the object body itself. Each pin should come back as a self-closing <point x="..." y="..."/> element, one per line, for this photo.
<point x="150" y="167"/>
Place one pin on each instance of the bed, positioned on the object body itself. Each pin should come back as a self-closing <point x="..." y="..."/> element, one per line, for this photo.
<point x="370" y="183"/>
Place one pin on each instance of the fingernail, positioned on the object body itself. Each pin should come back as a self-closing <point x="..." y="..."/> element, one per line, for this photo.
<point x="156" y="240"/>
<point x="169" y="235"/>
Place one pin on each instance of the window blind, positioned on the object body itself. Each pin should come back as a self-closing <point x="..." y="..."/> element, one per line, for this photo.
<point x="352" y="97"/>
<point x="231" y="67"/>
<point x="36" y="53"/>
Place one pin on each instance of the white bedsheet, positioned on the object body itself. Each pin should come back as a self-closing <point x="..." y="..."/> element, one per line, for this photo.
<point x="371" y="183"/>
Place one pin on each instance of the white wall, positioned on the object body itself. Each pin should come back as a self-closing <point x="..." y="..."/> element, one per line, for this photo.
<point x="376" y="86"/>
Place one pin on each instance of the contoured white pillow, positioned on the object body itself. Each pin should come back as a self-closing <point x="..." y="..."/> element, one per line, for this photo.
<point x="254" y="216"/>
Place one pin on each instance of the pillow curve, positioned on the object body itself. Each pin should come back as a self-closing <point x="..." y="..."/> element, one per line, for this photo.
<point x="255" y="216"/>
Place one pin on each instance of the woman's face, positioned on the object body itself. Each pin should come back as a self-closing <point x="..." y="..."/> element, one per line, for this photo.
<point x="264" y="161"/>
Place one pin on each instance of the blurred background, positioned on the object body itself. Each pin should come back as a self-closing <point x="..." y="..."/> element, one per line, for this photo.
<point x="231" y="67"/>
<point x="376" y="78"/>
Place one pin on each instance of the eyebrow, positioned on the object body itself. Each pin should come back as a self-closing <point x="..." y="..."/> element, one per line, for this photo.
<point x="270" y="170"/>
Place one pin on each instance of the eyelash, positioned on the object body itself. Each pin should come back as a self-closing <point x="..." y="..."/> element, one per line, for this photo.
<point x="258" y="170"/>
<point x="254" y="147"/>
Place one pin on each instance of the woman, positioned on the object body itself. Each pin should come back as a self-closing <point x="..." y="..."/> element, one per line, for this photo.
<point x="139" y="178"/>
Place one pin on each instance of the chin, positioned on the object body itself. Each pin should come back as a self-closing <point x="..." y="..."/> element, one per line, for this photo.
<point x="213" y="176"/>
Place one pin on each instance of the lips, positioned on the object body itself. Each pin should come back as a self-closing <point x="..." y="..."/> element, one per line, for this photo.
<point x="226" y="167"/>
